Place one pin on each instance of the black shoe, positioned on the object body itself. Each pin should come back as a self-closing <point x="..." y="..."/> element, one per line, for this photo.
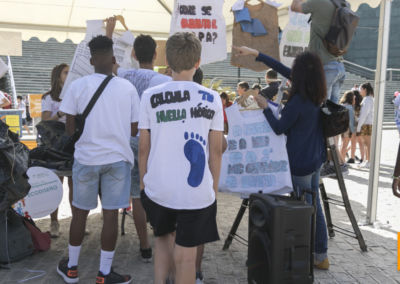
<point x="112" y="278"/>
<point x="147" y="255"/>
<point x="350" y="161"/>
<point x="70" y="275"/>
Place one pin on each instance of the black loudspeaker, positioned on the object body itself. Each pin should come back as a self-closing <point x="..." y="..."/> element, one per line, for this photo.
<point x="280" y="243"/>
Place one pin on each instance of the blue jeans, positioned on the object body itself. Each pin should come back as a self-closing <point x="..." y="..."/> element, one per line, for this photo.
<point x="334" y="75"/>
<point x="308" y="182"/>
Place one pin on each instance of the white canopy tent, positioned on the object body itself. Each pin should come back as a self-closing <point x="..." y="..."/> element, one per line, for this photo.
<point x="66" y="19"/>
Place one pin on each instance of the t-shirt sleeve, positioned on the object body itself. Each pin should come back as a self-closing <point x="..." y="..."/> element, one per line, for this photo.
<point x="217" y="122"/>
<point x="69" y="103"/>
<point x="135" y="105"/>
<point x="46" y="103"/>
<point x="308" y="6"/>
<point x="144" y="118"/>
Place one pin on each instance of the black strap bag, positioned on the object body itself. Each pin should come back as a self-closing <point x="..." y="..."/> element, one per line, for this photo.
<point x="335" y="119"/>
<point x="80" y="118"/>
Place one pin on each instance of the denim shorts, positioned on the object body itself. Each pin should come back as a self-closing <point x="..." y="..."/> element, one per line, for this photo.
<point x="135" y="178"/>
<point x="111" y="182"/>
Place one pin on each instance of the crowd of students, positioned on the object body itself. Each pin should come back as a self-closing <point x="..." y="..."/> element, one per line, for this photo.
<point x="158" y="140"/>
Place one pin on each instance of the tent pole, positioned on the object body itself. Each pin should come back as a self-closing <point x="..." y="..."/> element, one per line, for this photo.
<point x="380" y="82"/>
<point x="165" y="6"/>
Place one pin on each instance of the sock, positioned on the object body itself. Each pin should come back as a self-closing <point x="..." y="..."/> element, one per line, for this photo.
<point x="73" y="255"/>
<point x="106" y="258"/>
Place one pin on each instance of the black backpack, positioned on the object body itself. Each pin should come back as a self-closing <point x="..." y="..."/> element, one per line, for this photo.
<point x="343" y="25"/>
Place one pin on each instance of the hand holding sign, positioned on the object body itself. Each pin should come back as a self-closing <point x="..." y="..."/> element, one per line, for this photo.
<point x="244" y="50"/>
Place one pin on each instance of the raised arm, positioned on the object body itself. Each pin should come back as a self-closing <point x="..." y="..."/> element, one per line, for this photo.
<point x="267" y="60"/>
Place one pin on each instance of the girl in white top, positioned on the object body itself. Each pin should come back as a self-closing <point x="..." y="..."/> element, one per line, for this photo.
<point x="366" y="118"/>
<point x="50" y="111"/>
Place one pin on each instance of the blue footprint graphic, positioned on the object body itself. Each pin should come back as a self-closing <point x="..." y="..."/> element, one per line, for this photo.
<point x="194" y="152"/>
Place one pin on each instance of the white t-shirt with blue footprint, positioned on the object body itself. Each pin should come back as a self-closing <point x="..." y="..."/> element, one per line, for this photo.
<point x="180" y="115"/>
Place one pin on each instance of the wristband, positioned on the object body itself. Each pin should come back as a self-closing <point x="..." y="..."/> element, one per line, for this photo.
<point x="395" y="177"/>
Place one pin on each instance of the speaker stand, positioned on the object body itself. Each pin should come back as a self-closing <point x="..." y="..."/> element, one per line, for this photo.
<point x="345" y="202"/>
<point x="232" y="233"/>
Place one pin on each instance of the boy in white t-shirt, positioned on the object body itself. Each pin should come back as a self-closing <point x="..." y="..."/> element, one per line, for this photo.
<point x="102" y="158"/>
<point x="180" y="150"/>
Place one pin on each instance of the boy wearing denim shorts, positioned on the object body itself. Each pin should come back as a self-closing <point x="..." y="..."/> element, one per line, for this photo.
<point x="180" y="150"/>
<point x="102" y="158"/>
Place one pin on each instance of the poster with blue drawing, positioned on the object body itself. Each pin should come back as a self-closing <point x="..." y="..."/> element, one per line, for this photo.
<point x="256" y="159"/>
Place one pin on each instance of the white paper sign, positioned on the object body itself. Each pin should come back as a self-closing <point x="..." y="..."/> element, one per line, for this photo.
<point x="295" y="37"/>
<point x="44" y="196"/>
<point x="3" y="68"/>
<point x="256" y="159"/>
<point x="80" y="66"/>
<point x="205" y="19"/>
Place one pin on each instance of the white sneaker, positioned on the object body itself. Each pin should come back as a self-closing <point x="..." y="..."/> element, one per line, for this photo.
<point x="366" y="165"/>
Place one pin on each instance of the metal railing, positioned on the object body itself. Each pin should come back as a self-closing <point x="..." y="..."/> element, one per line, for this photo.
<point x="392" y="74"/>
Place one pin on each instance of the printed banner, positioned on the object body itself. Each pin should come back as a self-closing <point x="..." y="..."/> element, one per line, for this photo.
<point x="35" y="105"/>
<point x="295" y="37"/>
<point x="206" y="20"/>
<point x="80" y="66"/>
<point x="44" y="196"/>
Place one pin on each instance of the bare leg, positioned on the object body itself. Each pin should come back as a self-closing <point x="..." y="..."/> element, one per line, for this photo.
<point x="185" y="263"/>
<point x="77" y="227"/>
<point x="336" y="139"/>
<point x="199" y="257"/>
<point x="139" y="217"/>
<point x="353" y="145"/>
<point x="109" y="232"/>
<point x="361" y="146"/>
<point x="163" y="257"/>
<point x="345" y="143"/>
<point x="367" y="143"/>
<point x="54" y="215"/>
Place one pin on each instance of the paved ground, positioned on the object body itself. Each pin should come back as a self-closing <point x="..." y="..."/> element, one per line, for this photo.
<point x="348" y="263"/>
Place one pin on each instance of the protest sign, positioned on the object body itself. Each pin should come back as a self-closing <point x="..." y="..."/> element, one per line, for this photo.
<point x="35" y="105"/>
<point x="205" y="19"/>
<point x="44" y="196"/>
<point x="295" y="37"/>
<point x="256" y="159"/>
<point x="13" y="118"/>
<point x="3" y="68"/>
<point x="80" y="66"/>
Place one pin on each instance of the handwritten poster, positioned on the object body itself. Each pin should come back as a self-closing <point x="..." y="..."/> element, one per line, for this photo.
<point x="295" y="37"/>
<point x="80" y="66"/>
<point x="256" y="159"/>
<point x="206" y="20"/>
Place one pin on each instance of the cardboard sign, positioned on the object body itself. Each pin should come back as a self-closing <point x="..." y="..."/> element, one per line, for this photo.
<point x="44" y="196"/>
<point x="205" y="19"/>
<point x="295" y="37"/>
<point x="35" y="105"/>
<point x="161" y="59"/>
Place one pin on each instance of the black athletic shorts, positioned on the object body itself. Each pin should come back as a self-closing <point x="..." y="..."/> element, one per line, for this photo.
<point x="193" y="227"/>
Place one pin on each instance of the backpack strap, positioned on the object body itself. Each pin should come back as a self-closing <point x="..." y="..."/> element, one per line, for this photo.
<point x="95" y="97"/>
